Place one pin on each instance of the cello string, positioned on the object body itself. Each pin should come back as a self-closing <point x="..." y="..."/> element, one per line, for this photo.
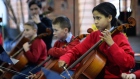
<point x="14" y="71"/>
<point x="63" y="76"/>
<point x="47" y="59"/>
<point x="67" y="72"/>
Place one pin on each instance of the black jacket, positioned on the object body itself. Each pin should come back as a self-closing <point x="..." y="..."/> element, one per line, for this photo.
<point x="45" y="23"/>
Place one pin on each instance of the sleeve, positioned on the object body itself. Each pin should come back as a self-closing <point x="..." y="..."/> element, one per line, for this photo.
<point x="137" y="73"/>
<point x="35" y="51"/>
<point x="59" y="51"/>
<point x="77" y="51"/>
<point x="122" y="53"/>
<point x="45" y="23"/>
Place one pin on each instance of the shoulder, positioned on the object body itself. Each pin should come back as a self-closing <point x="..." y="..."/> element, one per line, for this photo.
<point x="119" y="35"/>
<point x="120" y="38"/>
<point x="95" y="34"/>
<point x="57" y="42"/>
<point x="93" y="37"/>
<point x="75" y="40"/>
<point x="45" y="19"/>
<point x="39" y="41"/>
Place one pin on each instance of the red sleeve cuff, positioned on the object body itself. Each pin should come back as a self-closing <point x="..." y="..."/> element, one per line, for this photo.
<point x="65" y="58"/>
<point x="137" y="73"/>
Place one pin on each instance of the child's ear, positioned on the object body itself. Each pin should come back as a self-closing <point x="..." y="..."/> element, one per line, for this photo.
<point x="35" y="30"/>
<point x="66" y="30"/>
<point x="110" y="18"/>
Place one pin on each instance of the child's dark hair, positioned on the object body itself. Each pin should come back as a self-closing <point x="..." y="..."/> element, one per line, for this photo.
<point x="63" y="21"/>
<point x="31" y="24"/>
<point x="38" y="3"/>
<point x="107" y="9"/>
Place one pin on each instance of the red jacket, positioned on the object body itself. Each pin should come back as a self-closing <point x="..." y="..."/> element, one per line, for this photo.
<point x="120" y="56"/>
<point x="60" y="49"/>
<point x="137" y="73"/>
<point x="37" y="52"/>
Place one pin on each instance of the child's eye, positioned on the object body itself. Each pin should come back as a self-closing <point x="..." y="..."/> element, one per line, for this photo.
<point x="55" y="30"/>
<point x="36" y="8"/>
<point x="97" y="18"/>
<point x="26" y="29"/>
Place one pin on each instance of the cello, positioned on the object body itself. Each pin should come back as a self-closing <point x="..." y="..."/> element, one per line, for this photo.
<point x="92" y="62"/>
<point x="18" y="53"/>
<point x="53" y="62"/>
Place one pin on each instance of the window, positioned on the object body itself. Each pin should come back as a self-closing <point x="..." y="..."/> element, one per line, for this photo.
<point x="3" y="13"/>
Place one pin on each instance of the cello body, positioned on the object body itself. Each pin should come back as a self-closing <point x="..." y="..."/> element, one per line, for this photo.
<point x="89" y="68"/>
<point x="52" y="64"/>
<point x="91" y="65"/>
<point x="20" y="56"/>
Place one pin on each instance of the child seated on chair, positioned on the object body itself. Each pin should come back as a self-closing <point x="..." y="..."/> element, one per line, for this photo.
<point x="116" y="48"/>
<point x="35" y="52"/>
<point x="61" y="26"/>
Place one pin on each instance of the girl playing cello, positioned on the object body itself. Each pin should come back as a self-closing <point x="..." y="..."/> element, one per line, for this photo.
<point x="116" y="48"/>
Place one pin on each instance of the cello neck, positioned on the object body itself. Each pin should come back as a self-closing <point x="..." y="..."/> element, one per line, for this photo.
<point x="41" y="64"/>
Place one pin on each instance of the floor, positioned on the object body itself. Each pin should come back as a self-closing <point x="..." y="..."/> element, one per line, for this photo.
<point x="135" y="43"/>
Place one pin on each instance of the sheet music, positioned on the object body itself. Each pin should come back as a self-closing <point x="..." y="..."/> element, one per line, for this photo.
<point x="14" y="60"/>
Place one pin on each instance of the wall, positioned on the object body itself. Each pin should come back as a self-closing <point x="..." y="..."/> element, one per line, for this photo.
<point x="71" y="12"/>
<point x="78" y="11"/>
<point x="137" y="16"/>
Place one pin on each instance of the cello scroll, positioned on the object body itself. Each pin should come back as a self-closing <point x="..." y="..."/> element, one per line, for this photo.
<point x="131" y="23"/>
